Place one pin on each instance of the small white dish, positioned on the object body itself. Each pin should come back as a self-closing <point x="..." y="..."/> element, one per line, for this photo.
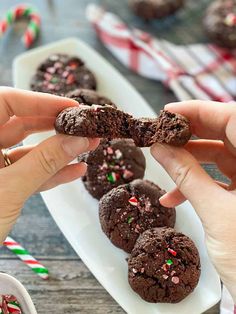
<point x="76" y="212"/>
<point x="10" y="285"/>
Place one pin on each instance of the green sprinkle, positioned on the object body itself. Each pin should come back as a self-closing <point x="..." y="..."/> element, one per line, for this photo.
<point x="130" y="219"/>
<point x="111" y="177"/>
<point x="54" y="80"/>
<point x="169" y="262"/>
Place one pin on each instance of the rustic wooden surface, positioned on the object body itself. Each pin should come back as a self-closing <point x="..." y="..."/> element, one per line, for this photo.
<point x="72" y="288"/>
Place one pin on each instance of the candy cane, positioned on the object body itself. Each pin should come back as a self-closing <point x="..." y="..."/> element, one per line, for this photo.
<point x="10" y="305"/>
<point x="24" y="255"/>
<point x="23" y="11"/>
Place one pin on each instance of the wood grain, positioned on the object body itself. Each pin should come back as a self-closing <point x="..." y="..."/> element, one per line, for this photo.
<point x="72" y="288"/>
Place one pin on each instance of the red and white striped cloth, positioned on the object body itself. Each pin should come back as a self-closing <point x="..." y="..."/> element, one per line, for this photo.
<point x="197" y="71"/>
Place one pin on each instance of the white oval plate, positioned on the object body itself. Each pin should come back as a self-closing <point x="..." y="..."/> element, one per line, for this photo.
<point x="76" y="212"/>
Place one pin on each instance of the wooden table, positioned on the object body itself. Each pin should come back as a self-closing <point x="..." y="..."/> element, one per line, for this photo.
<point x="72" y="288"/>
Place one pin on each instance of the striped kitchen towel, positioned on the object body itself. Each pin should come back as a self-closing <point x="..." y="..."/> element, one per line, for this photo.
<point x="197" y="71"/>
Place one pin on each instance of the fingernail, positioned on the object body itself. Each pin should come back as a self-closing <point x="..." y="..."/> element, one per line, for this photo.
<point x="73" y="145"/>
<point x="170" y="105"/>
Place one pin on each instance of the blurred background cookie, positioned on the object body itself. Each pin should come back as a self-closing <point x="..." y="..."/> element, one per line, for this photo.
<point x="61" y="73"/>
<point x="89" y="97"/>
<point x="220" y="23"/>
<point x="155" y="9"/>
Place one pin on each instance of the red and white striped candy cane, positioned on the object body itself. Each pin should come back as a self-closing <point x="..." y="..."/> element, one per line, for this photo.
<point x="23" y="11"/>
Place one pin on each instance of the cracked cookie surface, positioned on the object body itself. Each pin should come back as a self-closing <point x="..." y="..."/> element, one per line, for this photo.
<point x="164" y="266"/>
<point x="128" y="210"/>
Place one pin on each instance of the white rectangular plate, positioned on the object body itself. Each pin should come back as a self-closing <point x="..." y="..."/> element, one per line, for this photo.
<point x="76" y="212"/>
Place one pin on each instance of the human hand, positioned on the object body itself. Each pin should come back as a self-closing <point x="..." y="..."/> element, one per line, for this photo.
<point x="215" y="202"/>
<point x="34" y="168"/>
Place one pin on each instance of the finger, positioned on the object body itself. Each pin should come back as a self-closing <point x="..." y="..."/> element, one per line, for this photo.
<point x="65" y="175"/>
<point x="44" y="161"/>
<point x="21" y="103"/>
<point x="208" y="151"/>
<point x="210" y="120"/>
<point x="16" y="129"/>
<point x="192" y="181"/>
<point x="175" y="197"/>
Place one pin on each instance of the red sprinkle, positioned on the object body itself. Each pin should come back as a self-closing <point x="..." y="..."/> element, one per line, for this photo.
<point x="70" y="79"/>
<point x="172" y="252"/>
<point x="133" y="201"/>
<point x="73" y="65"/>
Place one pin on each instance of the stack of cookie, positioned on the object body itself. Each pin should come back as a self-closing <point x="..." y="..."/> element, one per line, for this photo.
<point x="164" y="265"/>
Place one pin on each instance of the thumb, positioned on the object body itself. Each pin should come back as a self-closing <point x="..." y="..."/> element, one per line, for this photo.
<point x="44" y="161"/>
<point x="192" y="181"/>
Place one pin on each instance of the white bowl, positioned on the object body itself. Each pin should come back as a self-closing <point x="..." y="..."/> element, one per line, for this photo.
<point x="10" y="285"/>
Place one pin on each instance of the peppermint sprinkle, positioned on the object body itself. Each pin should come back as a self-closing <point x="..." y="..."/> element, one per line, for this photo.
<point x="109" y="150"/>
<point x="142" y="270"/>
<point x="165" y="267"/>
<point x="169" y="262"/>
<point x="118" y="154"/>
<point x="165" y="276"/>
<point x="65" y="74"/>
<point x="104" y="166"/>
<point x="130" y="219"/>
<point x="137" y="228"/>
<point x="173" y="272"/>
<point x="73" y="65"/>
<point x="134" y="270"/>
<point x="230" y="19"/>
<point x="133" y="201"/>
<point x="112" y="177"/>
<point x="47" y="76"/>
<point x="127" y="174"/>
<point x="175" y="280"/>
<point x="172" y="252"/>
<point x="70" y="79"/>
<point x="51" y="70"/>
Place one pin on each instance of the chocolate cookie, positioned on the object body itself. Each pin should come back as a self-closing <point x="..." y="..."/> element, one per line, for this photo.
<point x="111" y="164"/>
<point x="61" y="73"/>
<point x="220" y="23"/>
<point x="164" y="266"/>
<point x="168" y="127"/>
<point x="108" y="122"/>
<point x="155" y="9"/>
<point x="130" y="209"/>
<point x="89" y="97"/>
